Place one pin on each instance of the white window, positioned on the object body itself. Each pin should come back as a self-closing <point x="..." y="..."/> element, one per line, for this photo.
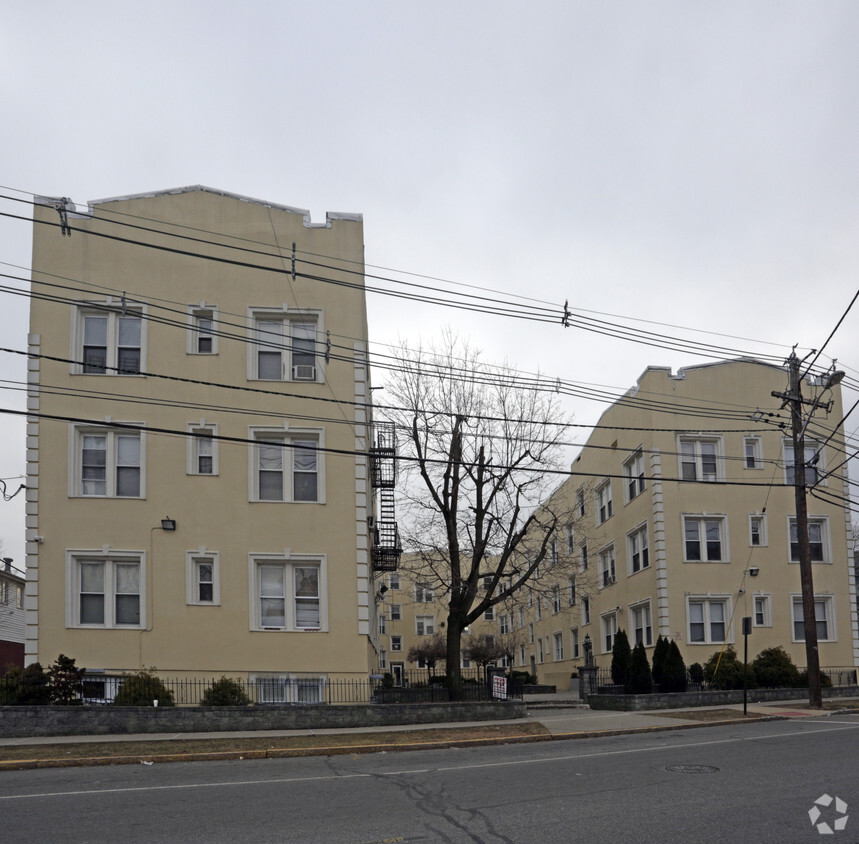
<point x="586" y="610"/>
<point x="396" y="612"/>
<point x="608" y="623"/>
<point x="396" y="643"/>
<point x="571" y="540"/>
<point x="489" y="615"/>
<point x="202" y="334"/>
<point x="559" y="646"/>
<point x="393" y="581"/>
<point x="556" y="599"/>
<point x="572" y="592"/>
<point x="465" y="662"/>
<point x="704" y="539"/>
<point x="520" y="617"/>
<point x="752" y="453"/>
<point x="284" y="688"/>
<point x="575" y="651"/>
<point x="633" y="471"/>
<point x="522" y="657"/>
<point x="638" y="550"/>
<point x="287" y="466"/>
<point x="288" y="594"/>
<point x="762" y="611"/>
<point x="284" y="346"/>
<point x="503" y="625"/>
<point x="583" y="548"/>
<point x="608" y="574"/>
<point x="424" y="593"/>
<point x="105" y="589"/>
<point x="108" y="462"/>
<point x="109" y="340"/>
<point x="424" y="625"/>
<point x="540" y="650"/>
<point x="757" y="530"/>
<point x="699" y="458"/>
<point x="383" y="660"/>
<point x="553" y="553"/>
<point x="383" y="625"/>
<point x="604" y="504"/>
<point x="818" y="540"/>
<point x="708" y="620"/>
<point x="639" y="622"/>
<point x="823" y="615"/>
<point x="813" y="465"/>
<point x="202" y="449"/>
<point x="580" y="501"/>
<point x="202" y="578"/>
<point x="539" y="607"/>
<point x="531" y="633"/>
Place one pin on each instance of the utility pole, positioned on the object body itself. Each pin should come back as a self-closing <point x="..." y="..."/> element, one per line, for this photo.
<point x="793" y="398"/>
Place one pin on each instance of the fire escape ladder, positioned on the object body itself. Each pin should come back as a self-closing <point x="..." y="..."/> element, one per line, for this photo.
<point x="386" y="547"/>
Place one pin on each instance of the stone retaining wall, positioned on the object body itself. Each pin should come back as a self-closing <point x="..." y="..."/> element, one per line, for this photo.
<point x="23" y="721"/>
<point x="680" y="700"/>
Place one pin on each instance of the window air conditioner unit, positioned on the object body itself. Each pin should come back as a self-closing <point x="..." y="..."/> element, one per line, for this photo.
<point x="304" y="372"/>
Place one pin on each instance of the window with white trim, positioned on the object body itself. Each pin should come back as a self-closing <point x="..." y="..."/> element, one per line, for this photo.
<point x="639" y="622"/>
<point x="393" y="581"/>
<point x="824" y="616"/>
<point x="705" y="539"/>
<point x="424" y="625"/>
<point x="290" y="594"/>
<point x="202" y="578"/>
<point x="818" y="539"/>
<point x="813" y="465"/>
<point x="202" y="334"/>
<point x="108" y="462"/>
<point x="396" y="612"/>
<point x="637" y="550"/>
<point x="109" y="340"/>
<point x="520" y="617"/>
<point x="572" y="592"/>
<point x="489" y="615"/>
<point x="580" y="501"/>
<point x="531" y="633"/>
<point x="633" y="471"/>
<point x="383" y="660"/>
<point x="287" y="465"/>
<point x="503" y="625"/>
<point x="553" y="553"/>
<point x="540" y="649"/>
<point x="762" y="611"/>
<point x="556" y="599"/>
<point x="105" y="589"/>
<point x="604" y="503"/>
<point x="583" y="549"/>
<point x="424" y="593"/>
<point x="608" y="575"/>
<point x="539" y="607"/>
<point x="752" y="453"/>
<point x="708" y="620"/>
<point x="396" y="643"/>
<point x="522" y="658"/>
<point x="575" y="651"/>
<point x="608" y="625"/>
<point x="287" y="688"/>
<point x="757" y="530"/>
<point x="699" y="458"/>
<point x="571" y="540"/>
<point x="383" y="625"/>
<point x="284" y="345"/>
<point x="202" y="448"/>
<point x="586" y="610"/>
<point x="558" y="641"/>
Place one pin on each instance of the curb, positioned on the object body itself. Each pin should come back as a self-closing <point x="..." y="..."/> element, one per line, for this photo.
<point x="341" y="750"/>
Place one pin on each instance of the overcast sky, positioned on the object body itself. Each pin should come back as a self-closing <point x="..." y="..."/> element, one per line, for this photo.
<point x="686" y="163"/>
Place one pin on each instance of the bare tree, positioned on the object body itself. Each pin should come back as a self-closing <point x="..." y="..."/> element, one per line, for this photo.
<point x="428" y="650"/>
<point x="484" y="449"/>
<point x="484" y="649"/>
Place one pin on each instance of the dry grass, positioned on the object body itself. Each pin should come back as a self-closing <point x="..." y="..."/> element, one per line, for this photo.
<point x="260" y="745"/>
<point x="705" y="714"/>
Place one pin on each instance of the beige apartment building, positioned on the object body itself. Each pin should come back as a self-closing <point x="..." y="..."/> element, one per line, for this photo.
<point x="683" y="523"/>
<point x="204" y="493"/>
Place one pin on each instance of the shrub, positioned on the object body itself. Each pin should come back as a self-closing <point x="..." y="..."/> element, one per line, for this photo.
<point x="730" y="671"/>
<point x="673" y="670"/>
<point x="621" y="658"/>
<point x="65" y="682"/>
<point x="696" y="672"/>
<point x="387" y="680"/>
<point x="33" y="687"/>
<point x="524" y="677"/>
<point x="9" y="686"/>
<point x="802" y="681"/>
<point x="774" y="669"/>
<point x="659" y="654"/>
<point x="224" y="692"/>
<point x="141" y="689"/>
<point x="640" y="679"/>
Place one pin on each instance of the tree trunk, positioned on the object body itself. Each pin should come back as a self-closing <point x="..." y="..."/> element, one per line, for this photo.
<point x="454" y="647"/>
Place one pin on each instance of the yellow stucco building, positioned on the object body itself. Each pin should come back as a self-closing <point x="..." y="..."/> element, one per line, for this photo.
<point x="199" y="493"/>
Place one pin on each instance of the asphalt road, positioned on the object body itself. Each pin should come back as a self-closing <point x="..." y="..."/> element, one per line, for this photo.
<point x="744" y="783"/>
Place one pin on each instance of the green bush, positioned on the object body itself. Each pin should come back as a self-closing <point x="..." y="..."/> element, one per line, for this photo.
<point x="524" y="677"/>
<point x="65" y="681"/>
<point x="730" y="671"/>
<point x="387" y="680"/>
<point x="224" y="692"/>
<point x="696" y="672"/>
<point x="640" y="679"/>
<point x="33" y="686"/>
<point x="673" y="670"/>
<point x="10" y="683"/>
<point x="660" y="652"/>
<point x="802" y="680"/>
<point x="141" y="689"/>
<point x="621" y="659"/>
<point x="774" y="669"/>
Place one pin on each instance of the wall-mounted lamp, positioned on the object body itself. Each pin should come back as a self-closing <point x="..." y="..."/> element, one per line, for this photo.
<point x="168" y="524"/>
<point x="754" y="571"/>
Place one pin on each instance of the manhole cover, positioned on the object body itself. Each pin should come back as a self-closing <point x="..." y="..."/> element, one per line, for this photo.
<point x="692" y="769"/>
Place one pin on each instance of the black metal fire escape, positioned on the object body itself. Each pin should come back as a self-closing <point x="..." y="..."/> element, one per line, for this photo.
<point x="386" y="546"/>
